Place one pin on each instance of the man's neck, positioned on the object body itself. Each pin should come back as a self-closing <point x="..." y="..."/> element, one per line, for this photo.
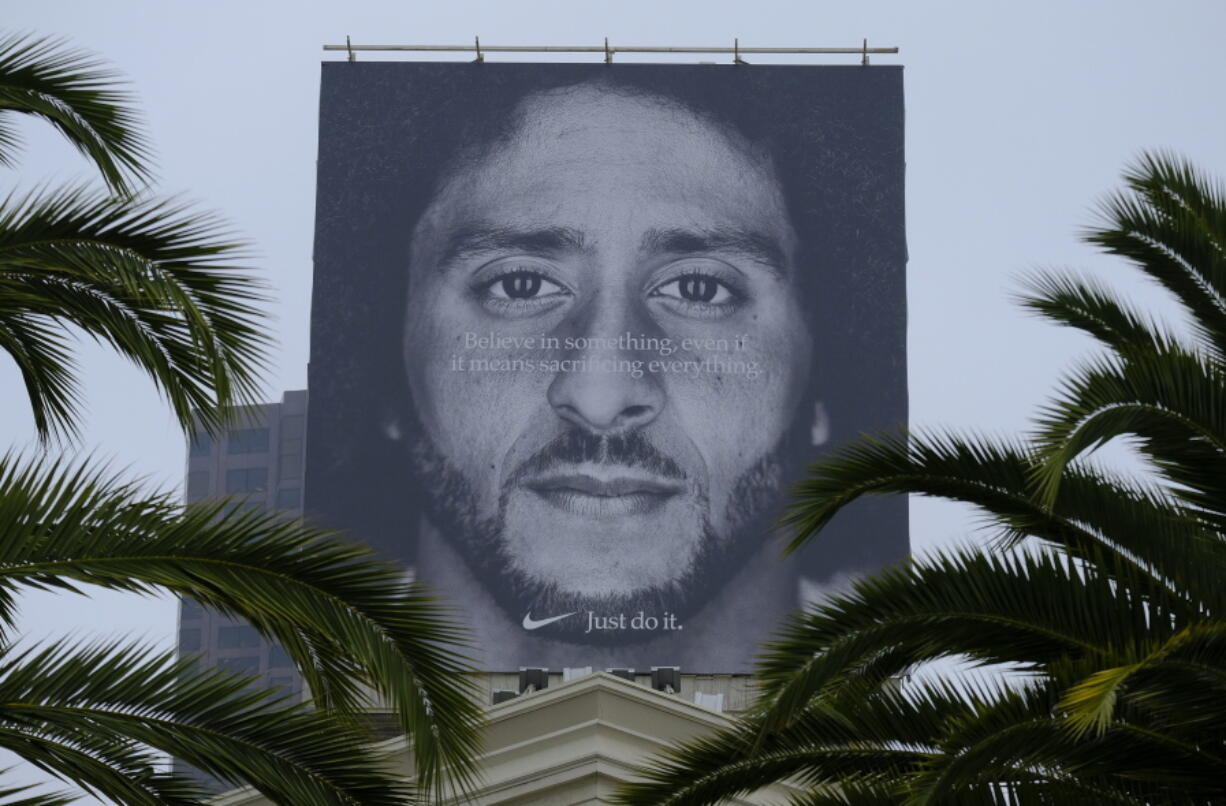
<point x="722" y="637"/>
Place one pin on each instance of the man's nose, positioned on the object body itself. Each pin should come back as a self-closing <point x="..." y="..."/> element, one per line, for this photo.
<point x="600" y="393"/>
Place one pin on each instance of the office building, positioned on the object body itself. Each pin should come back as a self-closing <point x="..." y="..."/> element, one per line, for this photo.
<point x="258" y="461"/>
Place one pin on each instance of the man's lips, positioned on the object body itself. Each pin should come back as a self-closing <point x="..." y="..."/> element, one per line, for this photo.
<point x="604" y="495"/>
<point x="611" y="486"/>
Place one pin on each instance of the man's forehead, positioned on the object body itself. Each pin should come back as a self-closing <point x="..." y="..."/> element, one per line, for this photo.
<point x="587" y="149"/>
<point x="470" y="238"/>
<point x="595" y="122"/>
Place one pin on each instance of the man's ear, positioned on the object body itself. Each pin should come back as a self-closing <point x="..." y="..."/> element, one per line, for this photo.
<point x="391" y="425"/>
<point x="819" y="432"/>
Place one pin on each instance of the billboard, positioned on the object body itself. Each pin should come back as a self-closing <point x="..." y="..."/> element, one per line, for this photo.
<point x="577" y="328"/>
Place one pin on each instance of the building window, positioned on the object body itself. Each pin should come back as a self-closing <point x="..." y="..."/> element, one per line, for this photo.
<point x="197" y="485"/>
<point x="245" y="664"/>
<point x="238" y="636"/>
<point x="277" y="656"/>
<point x="190" y="609"/>
<point x="189" y="639"/>
<point x="247" y="440"/>
<point x="292" y="428"/>
<point x="201" y="444"/>
<point x="291" y="466"/>
<point x="290" y="498"/>
<point x="283" y="684"/>
<point x="247" y="480"/>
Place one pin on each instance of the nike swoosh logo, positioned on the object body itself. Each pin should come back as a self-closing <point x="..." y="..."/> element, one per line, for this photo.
<point x="535" y="624"/>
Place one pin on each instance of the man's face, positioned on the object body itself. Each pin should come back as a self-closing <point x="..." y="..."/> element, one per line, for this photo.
<point x="607" y="232"/>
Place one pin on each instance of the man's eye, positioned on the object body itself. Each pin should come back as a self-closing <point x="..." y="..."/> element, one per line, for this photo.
<point x="696" y="288"/>
<point x="525" y="285"/>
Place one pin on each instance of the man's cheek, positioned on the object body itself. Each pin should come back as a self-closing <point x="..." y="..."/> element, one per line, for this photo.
<point x="733" y="419"/>
<point x="483" y="413"/>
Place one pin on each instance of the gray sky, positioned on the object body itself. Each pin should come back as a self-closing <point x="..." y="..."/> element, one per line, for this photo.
<point x="1019" y="116"/>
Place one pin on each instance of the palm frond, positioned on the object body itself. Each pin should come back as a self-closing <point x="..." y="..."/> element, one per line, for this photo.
<point x="1198" y="651"/>
<point x="1000" y="480"/>
<point x="1022" y="609"/>
<point x="348" y="618"/>
<point x="111" y="703"/>
<point x="152" y="278"/>
<point x="1103" y="590"/>
<point x="1085" y="303"/>
<point x="76" y="94"/>
<point x="1171" y="405"/>
<point x="991" y="475"/>
<point x="41" y="352"/>
<point x="1140" y="535"/>
<point x="1170" y="225"/>
<point x="853" y="793"/>
<point x="10" y="139"/>
<point x="847" y="739"/>
<point x="26" y="796"/>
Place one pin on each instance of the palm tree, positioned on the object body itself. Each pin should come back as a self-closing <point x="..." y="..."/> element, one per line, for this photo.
<point x="159" y="282"/>
<point x="1090" y="636"/>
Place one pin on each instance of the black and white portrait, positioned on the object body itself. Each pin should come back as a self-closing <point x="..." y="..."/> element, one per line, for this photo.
<point x="577" y="328"/>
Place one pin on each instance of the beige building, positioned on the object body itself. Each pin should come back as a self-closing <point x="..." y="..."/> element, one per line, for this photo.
<point x="574" y="742"/>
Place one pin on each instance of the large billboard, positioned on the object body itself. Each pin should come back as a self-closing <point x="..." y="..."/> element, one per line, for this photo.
<point x="577" y="328"/>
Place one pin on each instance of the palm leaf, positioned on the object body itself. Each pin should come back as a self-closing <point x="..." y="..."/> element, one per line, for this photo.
<point x="348" y="618"/>
<point x="25" y="796"/>
<point x="1104" y="590"/>
<point x="1198" y="648"/>
<point x="1170" y="403"/>
<point x="1143" y="537"/>
<point x="1084" y="303"/>
<point x="103" y="707"/>
<point x="1170" y="225"/>
<point x="151" y="278"/>
<point x="1001" y="481"/>
<point x="861" y="737"/>
<point x="73" y="92"/>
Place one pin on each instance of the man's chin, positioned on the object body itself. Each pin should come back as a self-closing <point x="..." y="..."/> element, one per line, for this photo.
<point x="701" y="564"/>
<point x="602" y="547"/>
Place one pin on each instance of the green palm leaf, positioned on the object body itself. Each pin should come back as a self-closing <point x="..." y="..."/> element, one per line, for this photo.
<point x="98" y="711"/>
<point x="348" y="618"/>
<point x="76" y="94"/>
<point x="1086" y="304"/>
<point x="162" y="285"/>
<point x="1170" y="403"/>
<point x="837" y="741"/>
<point x="1170" y="225"/>
<point x="1023" y="609"/>
<point x="1104" y="590"/>
<point x="1193" y="657"/>
<point x="1001" y="480"/>
<point x="17" y="796"/>
<point x="151" y="278"/>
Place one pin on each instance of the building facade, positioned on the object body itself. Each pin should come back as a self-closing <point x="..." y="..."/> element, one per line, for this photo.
<point x="573" y="743"/>
<point x="257" y="462"/>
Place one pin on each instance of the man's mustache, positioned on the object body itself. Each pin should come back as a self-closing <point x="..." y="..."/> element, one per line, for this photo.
<point x="574" y="447"/>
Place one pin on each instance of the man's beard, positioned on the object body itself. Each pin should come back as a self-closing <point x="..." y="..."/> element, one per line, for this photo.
<point x="481" y="542"/>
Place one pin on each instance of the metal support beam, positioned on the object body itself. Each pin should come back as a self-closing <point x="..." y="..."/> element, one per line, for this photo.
<point x="736" y="50"/>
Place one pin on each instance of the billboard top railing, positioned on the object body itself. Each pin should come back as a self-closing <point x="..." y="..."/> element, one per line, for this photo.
<point x="609" y="50"/>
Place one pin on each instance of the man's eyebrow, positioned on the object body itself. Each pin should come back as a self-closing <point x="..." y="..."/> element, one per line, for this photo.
<point x="478" y="238"/>
<point x="755" y="244"/>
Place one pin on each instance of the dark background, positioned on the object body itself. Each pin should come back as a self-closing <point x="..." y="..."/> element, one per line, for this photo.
<point x="388" y="128"/>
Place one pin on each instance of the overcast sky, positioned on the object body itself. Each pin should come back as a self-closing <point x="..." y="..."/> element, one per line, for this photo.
<point x="1019" y="116"/>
